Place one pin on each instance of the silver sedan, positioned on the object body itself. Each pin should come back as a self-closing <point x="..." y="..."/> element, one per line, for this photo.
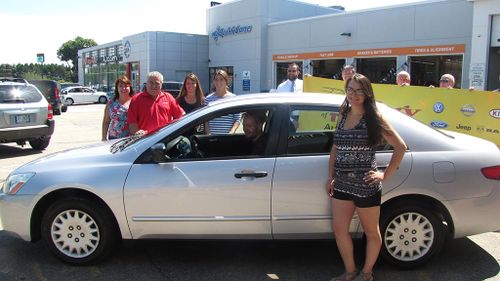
<point x="179" y="183"/>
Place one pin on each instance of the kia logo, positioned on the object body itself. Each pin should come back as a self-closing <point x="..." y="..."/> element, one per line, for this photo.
<point x="495" y="113"/>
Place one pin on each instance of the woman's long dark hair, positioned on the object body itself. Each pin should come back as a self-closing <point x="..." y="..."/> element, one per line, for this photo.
<point x="374" y="123"/>
<point x="200" y="96"/>
<point x="126" y="81"/>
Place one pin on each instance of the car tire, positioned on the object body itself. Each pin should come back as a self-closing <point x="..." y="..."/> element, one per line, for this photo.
<point x="56" y="111"/>
<point x="411" y="235"/>
<point x="64" y="108"/>
<point x="103" y="99"/>
<point x="40" y="143"/>
<point x="78" y="231"/>
<point x="69" y="101"/>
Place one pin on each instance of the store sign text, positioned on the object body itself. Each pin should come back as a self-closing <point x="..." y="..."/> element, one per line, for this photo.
<point x="232" y="30"/>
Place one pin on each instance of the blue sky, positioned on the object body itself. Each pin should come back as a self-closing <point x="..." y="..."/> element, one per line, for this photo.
<point x="42" y="26"/>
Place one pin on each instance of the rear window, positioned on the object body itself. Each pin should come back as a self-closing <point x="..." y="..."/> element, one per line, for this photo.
<point x="19" y="94"/>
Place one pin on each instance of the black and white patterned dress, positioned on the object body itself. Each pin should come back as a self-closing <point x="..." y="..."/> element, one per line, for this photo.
<point x="353" y="160"/>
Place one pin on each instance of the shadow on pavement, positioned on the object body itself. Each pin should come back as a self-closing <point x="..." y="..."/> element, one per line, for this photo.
<point x="7" y="151"/>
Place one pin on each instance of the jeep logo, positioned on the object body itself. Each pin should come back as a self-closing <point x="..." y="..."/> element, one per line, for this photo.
<point x="463" y="127"/>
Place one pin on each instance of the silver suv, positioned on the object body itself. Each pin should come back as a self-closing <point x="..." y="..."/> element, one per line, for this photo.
<point x="25" y="115"/>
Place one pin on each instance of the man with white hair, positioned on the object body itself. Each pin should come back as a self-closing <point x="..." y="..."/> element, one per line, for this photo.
<point x="447" y="81"/>
<point x="403" y="78"/>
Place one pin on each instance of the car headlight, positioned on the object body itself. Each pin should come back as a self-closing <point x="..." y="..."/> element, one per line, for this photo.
<point x="14" y="182"/>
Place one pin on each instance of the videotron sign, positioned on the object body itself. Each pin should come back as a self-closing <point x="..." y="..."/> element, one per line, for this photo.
<point x="232" y="30"/>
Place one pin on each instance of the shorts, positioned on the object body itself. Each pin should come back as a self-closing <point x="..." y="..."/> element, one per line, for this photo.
<point x="360" y="202"/>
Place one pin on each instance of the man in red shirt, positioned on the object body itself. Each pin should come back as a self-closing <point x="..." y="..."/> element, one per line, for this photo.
<point x="152" y="109"/>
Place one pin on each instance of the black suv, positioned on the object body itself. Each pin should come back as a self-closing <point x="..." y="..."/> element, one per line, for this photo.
<point x="50" y="89"/>
<point x="26" y="115"/>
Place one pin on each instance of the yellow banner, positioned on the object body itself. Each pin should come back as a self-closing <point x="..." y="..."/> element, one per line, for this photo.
<point x="476" y="113"/>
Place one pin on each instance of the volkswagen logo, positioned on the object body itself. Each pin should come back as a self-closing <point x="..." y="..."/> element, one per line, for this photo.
<point x="438" y="107"/>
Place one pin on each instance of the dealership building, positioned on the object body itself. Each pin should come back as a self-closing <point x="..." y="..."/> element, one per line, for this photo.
<point x="255" y="40"/>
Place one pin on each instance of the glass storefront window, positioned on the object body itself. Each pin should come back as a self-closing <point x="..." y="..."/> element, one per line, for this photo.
<point x="427" y="70"/>
<point x="378" y="70"/>
<point x="331" y="69"/>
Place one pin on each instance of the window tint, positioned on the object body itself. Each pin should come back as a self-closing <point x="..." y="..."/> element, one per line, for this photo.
<point x="19" y="94"/>
<point x="311" y="130"/>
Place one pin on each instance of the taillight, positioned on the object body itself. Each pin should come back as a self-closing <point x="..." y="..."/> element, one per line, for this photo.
<point x="492" y="173"/>
<point x="50" y="113"/>
<point x="57" y="93"/>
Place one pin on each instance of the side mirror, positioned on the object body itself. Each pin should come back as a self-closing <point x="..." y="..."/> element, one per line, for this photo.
<point x="159" y="152"/>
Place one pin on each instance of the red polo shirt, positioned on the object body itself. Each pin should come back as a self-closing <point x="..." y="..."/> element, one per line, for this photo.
<point x="152" y="114"/>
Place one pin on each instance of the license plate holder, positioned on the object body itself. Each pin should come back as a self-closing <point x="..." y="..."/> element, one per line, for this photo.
<point x="22" y="119"/>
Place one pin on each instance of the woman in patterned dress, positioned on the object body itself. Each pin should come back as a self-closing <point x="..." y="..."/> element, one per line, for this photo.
<point x="354" y="182"/>
<point x="114" y="122"/>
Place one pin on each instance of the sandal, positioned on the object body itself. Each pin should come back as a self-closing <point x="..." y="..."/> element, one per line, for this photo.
<point x="364" y="276"/>
<point x="346" y="276"/>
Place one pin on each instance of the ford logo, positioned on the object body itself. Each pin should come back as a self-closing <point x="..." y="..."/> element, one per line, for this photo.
<point x="439" y="124"/>
<point x="495" y="113"/>
<point x="438" y="107"/>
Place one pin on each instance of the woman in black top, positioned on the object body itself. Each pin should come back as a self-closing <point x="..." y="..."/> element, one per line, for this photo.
<point x="191" y="96"/>
<point x="354" y="181"/>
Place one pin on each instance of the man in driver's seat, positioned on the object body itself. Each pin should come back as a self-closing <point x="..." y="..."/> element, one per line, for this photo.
<point x="252" y="126"/>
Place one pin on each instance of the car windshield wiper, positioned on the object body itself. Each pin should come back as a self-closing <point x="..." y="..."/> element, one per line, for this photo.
<point x="123" y="143"/>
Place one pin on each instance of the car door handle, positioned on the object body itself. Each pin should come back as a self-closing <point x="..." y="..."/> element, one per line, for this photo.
<point x="256" y="174"/>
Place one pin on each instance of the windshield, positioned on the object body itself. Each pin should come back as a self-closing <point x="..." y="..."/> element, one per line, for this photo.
<point x="123" y="143"/>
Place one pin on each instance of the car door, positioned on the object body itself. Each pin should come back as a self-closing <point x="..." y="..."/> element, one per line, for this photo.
<point x="301" y="207"/>
<point x="195" y="196"/>
<point x="89" y="95"/>
<point x="77" y="94"/>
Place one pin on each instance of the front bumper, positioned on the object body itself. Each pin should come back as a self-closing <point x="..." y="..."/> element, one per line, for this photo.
<point x="15" y="214"/>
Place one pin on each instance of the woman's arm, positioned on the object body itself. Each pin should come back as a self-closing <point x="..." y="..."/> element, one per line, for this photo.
<point x="399" y="148"/>
<point x="105" y="123"/>
<point x="234" y="127"/>
<point x="331" y="172"/>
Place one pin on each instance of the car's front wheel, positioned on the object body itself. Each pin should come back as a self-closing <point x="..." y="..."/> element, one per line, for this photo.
<point x="40" y="143"/>
<point x="78" y="231"/>
<point x="69" y="101"/>
<point x="411" y="235"/>
<point x="103" y="99"/>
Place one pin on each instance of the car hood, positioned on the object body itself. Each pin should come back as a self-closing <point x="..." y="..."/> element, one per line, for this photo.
<point x="93" y="154"/>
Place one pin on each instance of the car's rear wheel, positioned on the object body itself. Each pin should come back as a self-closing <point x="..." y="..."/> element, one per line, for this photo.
<point x="78" y="231"/>
<point x="411" y="235"/>
<point x="103" y="99"/>
<point x="69" y="101"/>
<point x="40" y="143"/>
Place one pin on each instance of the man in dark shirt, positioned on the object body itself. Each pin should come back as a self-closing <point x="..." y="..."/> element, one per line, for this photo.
<point x="252" y="126"/>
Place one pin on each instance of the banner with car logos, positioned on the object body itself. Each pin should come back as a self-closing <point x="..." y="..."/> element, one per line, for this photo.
<point x="476" y="113"/>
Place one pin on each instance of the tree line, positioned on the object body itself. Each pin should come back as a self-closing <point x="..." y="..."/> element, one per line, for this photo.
<point x="68" y="52"/>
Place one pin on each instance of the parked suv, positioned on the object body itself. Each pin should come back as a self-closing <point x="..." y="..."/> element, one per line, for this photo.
<point x="50" y="89"/>
<point x="25" y="115"/>
<point x="13" y="79"/>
